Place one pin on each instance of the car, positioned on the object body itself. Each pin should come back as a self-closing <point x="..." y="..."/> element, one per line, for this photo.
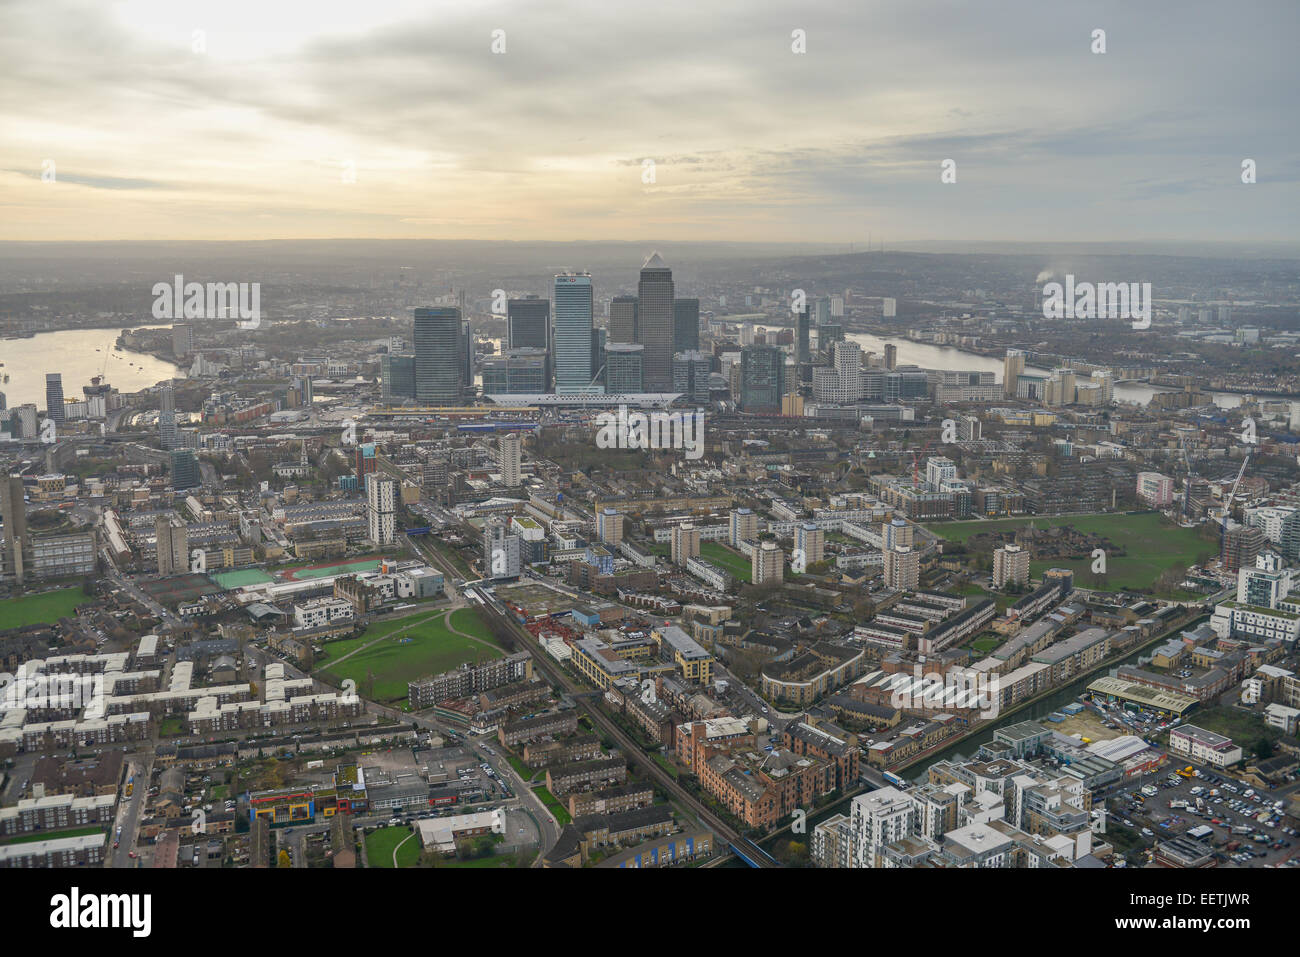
<point x="131" y="854"/>
<point x="116" y="844"/>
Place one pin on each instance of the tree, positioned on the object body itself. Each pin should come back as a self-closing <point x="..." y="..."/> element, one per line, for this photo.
<point x="283" y="860"/>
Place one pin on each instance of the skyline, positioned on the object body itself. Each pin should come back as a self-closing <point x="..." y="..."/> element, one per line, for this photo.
<point x="251" y="139"/>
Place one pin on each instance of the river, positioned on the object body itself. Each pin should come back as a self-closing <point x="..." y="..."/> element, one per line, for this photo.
<point x="79" y="354"/>
<point x="947" y="357"/>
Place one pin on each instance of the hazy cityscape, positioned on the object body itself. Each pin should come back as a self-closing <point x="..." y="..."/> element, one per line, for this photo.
<point x="876" y="530"/>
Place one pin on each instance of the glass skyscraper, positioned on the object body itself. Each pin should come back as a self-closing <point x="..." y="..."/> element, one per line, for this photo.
<point x="54" y="396"/>
<point x="439" y="356"/>
<point x="686" y="325"/>
<point x="573" y="338"/>
<point x="655" y="323"/>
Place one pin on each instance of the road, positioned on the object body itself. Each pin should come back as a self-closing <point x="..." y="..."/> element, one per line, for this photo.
<point x="722" y="831"/>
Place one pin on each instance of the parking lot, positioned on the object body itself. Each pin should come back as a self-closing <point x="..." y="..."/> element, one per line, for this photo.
<point x="1154" y="807"/>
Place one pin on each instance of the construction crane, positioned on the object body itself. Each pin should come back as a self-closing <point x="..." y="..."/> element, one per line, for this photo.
<point x="1226" y="511"/>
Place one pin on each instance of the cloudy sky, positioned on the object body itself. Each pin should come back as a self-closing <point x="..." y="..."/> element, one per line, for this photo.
<point x="253" y="127"/>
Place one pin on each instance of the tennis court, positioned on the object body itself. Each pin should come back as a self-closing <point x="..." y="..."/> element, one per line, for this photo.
<point x="332" y="568"/>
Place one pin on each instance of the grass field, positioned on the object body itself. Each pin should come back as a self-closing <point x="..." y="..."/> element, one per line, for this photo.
<point x="1152" y="545"/>
<point x="380" y="844"/>
<point x="553" y="805"/>
<point x="985" y="643"/>
<point x="247" y="576"/>
<point x="732" y="562"/>
<point x="427" y="647"/>
<point x="52" y="835"/>
<point x="335" y="568"/>
<point x="43" y="609"/>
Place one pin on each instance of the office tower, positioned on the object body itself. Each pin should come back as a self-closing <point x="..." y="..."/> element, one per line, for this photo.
<point x="15" y="528"/>
<point x="762" y="379"/>
<point x="822" y="311"/>
<point x="691" y="376"/>
<point x="381" y="508"/>
<point x="306" y="390"/>
<point x="655" y="323"/>
<point x="803" y="336"/>
<point x="609" y="526"/>
<point x="4" y="402"/>
<point x="810" y="540"/>
<point x="501" y="551"/>
<point x="517" y="372"/>
<point x="889" y="308"/>
<point x="1013" y="367"/>
<point x="828" y="334"/>
<point x="891" y="356"/>
<point x="746" y="333"/>
<point x="572" y="341"/>
<point x="1010" y="566"/>
<point x="902" y="568"/>
<point x="686" y="325"/>
<point x="185" y="469"/>
<point x="1289" y="536"/>
<point x="623" y="319"/>
<point x="938" y="470"/>
<point x="624" y="368"/>
<point x="528" y="323"/>
<point x="167" y="417"/>
<point x="54" y="396"/>
<point x="511" y="452"/>
<point x="171" y="545"/>
<point x="743" y="526"/>
<point x="685" y="543"/>
<point x="439" y="355"/>
<point x="767" y="564"/>
<point x="397" y="375"/>
<point x="182" y="339"/>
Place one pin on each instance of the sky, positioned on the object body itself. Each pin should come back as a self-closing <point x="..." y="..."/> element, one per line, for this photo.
<point x="169" y="119"/>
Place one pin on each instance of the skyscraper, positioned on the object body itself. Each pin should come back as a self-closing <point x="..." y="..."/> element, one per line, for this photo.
<point x="573" y="324"/>
<point x="502" y="554"/>
<point x="185" y="469"/>
<point x="397" y="373"/>
<point x="655" y="323"/>
<point x="623" y="319"/>
<point x="762" y="379"/>
<point x="528" y="323"/>
<point x="803" y="337"/>
<point x="167" y="417"/>
<point x="182" y="339"/>
<point x="686" y="325"/>
<point x="439" y="355"/>
<point x="15" y="528"/>
<point x="624" y="371"/>
<point x="381" y="508"/>
<point x="511" y="454"/>
<point x="54" y="396"/>
<point x="1013" y="367"/>
<point x="171" y="545"/>
<point x="691" y="376"/>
